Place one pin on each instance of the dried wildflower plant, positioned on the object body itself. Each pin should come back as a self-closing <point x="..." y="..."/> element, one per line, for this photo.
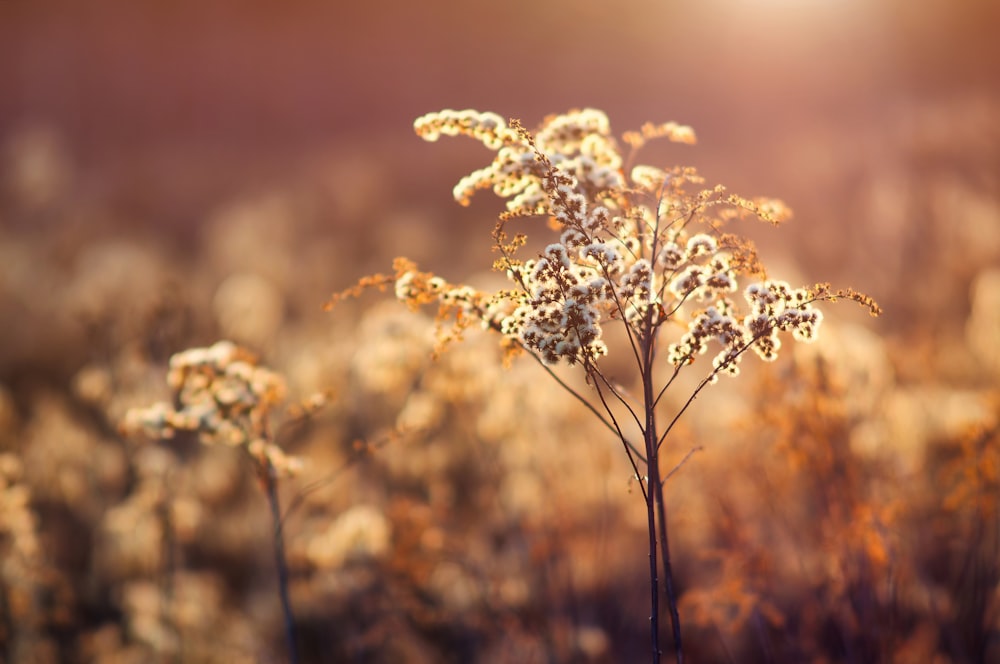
<point x="632" y="245"/>
<point x="222" y="395"/>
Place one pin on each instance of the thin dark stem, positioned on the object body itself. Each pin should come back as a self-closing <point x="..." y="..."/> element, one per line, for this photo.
<point x="611" y="425"/>
<point x="169" y="567"/>
<point x="623" y="312"/>
<point x="680" y="464"/>
<point x="617" y="394"/>
<point x="576" y="395"/>
<point x="654" y="581"/>
<point x="666" y="386"/>
<point x="656" y="510"/>
<point x="668" y="573"/>
<point x="629" y="447"/>
<point x="271" y="488"/>
<point x="653" y="496"/>
<point x="704" y="382"/>
<point x="332" y="477"/>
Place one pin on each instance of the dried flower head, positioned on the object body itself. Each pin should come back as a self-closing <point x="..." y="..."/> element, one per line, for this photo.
<point x="221" y="394"/>
<point x="643" y="249"/>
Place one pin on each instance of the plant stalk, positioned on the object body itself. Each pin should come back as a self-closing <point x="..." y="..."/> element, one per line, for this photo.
<point x="271" y="487"/>
<point x="657" y="512"/>
<point x="654" y="581"/>
<point x="668" y="573"/>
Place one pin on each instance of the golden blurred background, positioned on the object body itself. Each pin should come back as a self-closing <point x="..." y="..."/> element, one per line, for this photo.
<point x="172" y="173"/>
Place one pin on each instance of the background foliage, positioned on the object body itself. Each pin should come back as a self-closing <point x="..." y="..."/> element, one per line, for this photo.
<point x="176" y="173"/>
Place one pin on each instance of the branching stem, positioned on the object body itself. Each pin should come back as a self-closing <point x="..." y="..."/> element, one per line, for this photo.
<point x="656" y="510"/>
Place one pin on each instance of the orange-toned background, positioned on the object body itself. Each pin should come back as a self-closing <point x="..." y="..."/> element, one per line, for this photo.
<point x="259" y="83"/>
<point x="176" y="172"/>
<point x="158" y="114"/>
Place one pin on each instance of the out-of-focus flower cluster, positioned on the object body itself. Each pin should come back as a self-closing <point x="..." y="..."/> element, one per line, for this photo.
<point x="18" y="542"/>
<point x="16" y="519"/>
<point x="223" y="396"/>
<point x="30" y="587"/>
<point x="643" y="249"/>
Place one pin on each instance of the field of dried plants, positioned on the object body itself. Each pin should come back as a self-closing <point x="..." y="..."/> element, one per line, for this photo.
<point x="842" y="504"/>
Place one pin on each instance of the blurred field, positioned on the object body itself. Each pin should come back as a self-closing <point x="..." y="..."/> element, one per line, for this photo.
<point x="173" y="173"/>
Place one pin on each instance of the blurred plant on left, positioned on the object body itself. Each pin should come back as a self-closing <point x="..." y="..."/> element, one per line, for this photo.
<point x="224" y="397"/>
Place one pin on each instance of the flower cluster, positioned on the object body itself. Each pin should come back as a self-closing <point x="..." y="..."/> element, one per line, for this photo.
<point x="774" y="306"/>
<point x="579" y="142"/>
<point x="223" y="396"/>
<point x="627" y="248"/>
<point x="559" y="315"/>
<point x="643" y="249"/>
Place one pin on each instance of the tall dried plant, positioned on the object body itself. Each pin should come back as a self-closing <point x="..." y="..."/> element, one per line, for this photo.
<point x="634" y="246"/>
<point x="224" y="397"/>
